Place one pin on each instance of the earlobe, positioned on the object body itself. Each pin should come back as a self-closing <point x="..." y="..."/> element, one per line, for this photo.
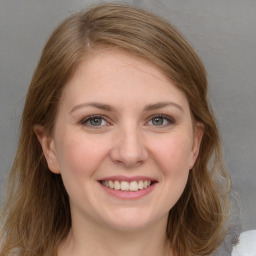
<point x="48" y="147"/>
<point x="198" y="135"/>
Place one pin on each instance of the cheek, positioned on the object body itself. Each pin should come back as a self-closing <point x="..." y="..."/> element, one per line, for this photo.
<point x="173" y="158"/>
<point x="174" y="155"/>
<point x="79" y="156"/>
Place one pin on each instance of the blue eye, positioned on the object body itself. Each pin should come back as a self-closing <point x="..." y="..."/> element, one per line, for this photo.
<point x="94" y="121"/>
<point x="158" y="121"/>
<point x="161" y="120"/>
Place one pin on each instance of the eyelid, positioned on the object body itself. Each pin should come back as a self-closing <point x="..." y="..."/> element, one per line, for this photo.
<point x="87" y="118"/>
<point x="168" y="118"/>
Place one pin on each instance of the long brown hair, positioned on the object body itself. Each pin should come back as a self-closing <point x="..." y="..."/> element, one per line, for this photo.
<point x="36" y="215"/>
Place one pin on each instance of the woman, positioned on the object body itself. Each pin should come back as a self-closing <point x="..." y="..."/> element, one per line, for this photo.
<point x="119" y="151"/>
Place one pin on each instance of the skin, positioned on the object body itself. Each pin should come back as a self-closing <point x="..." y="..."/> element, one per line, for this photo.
<point x="128" y="138"/>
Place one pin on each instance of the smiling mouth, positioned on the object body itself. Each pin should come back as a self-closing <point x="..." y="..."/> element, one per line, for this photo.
<point x="132" y="186"/>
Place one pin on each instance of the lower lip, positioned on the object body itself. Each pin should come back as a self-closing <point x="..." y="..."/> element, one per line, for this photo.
<point x="129" y="194"/>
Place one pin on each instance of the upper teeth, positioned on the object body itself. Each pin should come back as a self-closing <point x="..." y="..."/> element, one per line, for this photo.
<point x="127" y="186"/>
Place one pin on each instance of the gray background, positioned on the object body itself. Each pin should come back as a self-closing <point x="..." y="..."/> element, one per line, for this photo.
<point x="223" y="32"/>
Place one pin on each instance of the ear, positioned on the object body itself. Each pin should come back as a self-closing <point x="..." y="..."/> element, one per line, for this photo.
<point x="198" y="135"/>
<point x="48" y="147"/>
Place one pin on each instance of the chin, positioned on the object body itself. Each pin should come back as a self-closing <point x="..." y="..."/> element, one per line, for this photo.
<point x="132" y="221"/>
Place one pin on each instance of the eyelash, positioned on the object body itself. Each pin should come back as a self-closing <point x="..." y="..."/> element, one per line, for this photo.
<point x="170" y="120"/>
<point x="90" y="118"/>
<point x="85" y="120"/>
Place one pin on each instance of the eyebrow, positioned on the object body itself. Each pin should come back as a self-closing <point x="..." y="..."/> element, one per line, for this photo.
<point x="92" y="104"/>
<point x="107" y="107"/>
<point x="162" y="105"/>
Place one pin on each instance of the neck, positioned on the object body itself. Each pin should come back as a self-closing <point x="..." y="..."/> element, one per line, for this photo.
<point x="92" y="239"/>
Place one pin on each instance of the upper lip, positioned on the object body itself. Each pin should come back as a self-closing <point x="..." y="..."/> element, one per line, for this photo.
<point x="128" y="179"/>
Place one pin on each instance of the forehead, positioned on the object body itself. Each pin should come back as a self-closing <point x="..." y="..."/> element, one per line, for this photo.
<point x="113" y="74"/>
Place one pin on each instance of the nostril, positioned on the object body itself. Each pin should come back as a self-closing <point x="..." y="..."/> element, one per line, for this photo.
<point x="128" y="148"/>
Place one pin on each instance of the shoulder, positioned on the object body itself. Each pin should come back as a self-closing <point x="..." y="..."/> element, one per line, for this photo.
<point x="246" y="245"/>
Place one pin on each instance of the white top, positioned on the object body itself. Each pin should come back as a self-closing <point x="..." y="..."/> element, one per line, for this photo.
<point x="246" y="245"/>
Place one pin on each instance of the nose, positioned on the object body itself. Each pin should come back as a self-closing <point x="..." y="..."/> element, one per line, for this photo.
<point x="128" y="148"/>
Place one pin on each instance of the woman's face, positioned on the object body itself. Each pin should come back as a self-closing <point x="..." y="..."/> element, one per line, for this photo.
<point x="123" y="142"/>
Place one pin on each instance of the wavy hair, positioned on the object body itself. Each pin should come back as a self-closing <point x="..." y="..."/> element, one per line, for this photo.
<point x="36" y="215"/>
